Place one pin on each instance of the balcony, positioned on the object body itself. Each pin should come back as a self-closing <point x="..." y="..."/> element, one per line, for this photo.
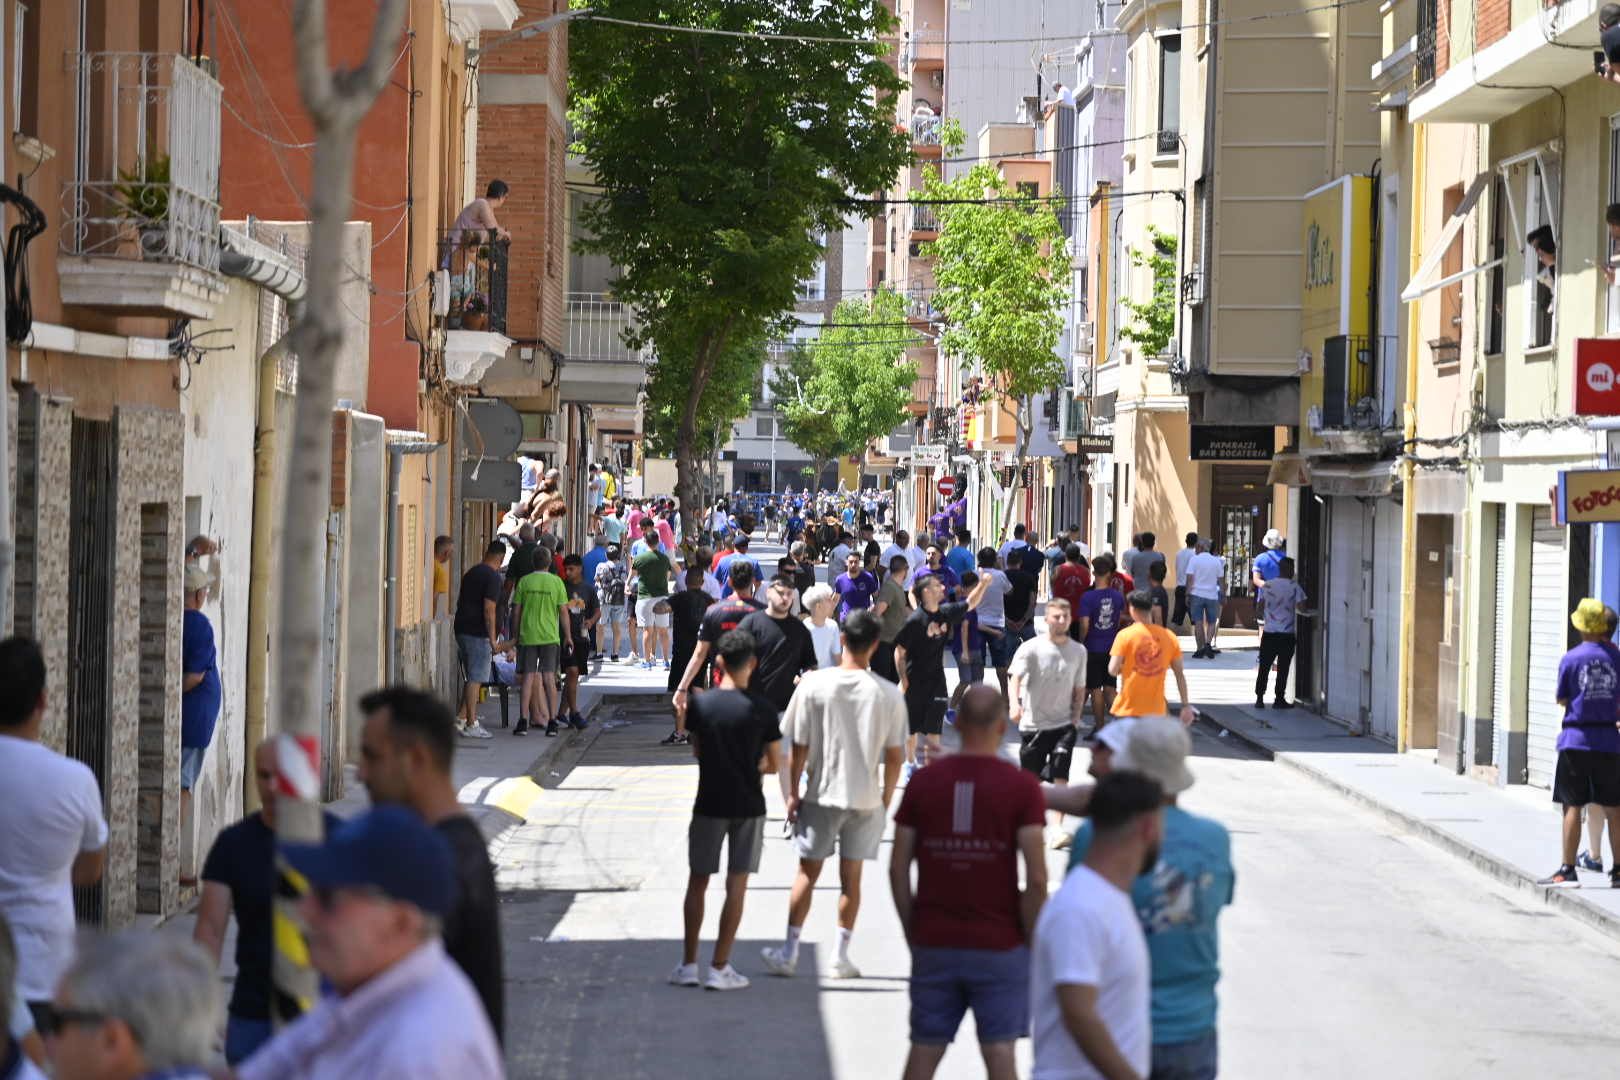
<point x="923" y="49"/>
<point x="925" y="130"/>
<point x="1357" y="411"/>
<point x="1536" y="55"/>
<point x="140" y="222"/>
<point x="920" y="305"/>
<point x="924" y="219"/>
<point x="1423" y="66"/>
<point x="600" y="369"/>
<point x="474" y="265"/>
<point x="922" y="395"/>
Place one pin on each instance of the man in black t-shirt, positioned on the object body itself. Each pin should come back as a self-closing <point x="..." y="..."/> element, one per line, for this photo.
<point x="477" y="607"/>
<point x="405" y="755"/>
<point x="583" y="612"/>
<point x="919" y="657"/>
<point x="870" y="551"/>
<point x="1020" y="602"/>
<point x="239" y="878"/>
<point x="721" y="617"/>
<point x="783" y="647"/>
<point x="734" y="737"/>
<point x="686" y="611"/>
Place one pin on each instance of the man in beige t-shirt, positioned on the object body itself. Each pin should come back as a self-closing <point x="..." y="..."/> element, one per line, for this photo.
<point x="846" y="726"/>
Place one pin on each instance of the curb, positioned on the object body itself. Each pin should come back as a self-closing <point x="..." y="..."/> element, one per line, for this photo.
<point x="1567" y="901"/>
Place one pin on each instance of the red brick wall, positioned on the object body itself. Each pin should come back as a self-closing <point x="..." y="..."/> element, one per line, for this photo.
<point x="1492" y="20"/>
<point x="1442" y="36"/>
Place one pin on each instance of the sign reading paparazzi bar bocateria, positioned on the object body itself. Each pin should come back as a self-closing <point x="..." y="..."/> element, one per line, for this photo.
<point x="1588" y="495"/>
<point x="1233" y="443"/>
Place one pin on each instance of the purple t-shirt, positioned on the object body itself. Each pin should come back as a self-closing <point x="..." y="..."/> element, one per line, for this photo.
<point x="1105" y="608"/>
<point x="855" y="593"/>
<point x="1589" y="679"/>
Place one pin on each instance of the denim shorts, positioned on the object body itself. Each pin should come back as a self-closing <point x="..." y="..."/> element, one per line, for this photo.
<point x="1204" y="608"/>
<point x="1194" y="1059"/>
<point x="1002" y="648"/>
<point x="613" y="614"/>
<point x="476" y="656"/>
<point x="191" y="763"/>
<point x="946" y="983"/>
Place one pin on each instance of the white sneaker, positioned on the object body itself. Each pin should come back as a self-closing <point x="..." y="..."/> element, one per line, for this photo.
<point x="777" y="962"/>
<point x="726" y="978"/>
<point x="686" y="975"/>
<point x="475" y="730"/>
<point x="843" y="969"/>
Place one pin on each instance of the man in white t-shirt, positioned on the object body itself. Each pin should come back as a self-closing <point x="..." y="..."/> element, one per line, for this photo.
<point x="902" y="545"/>
<point x="1183" y="557"/>
<point x="1205" y="573"/>
<point x="1047" y="695"/>
<point x="1090" y="979"/>
<point x="55" y="836"/>
<point x="847" y="729"/>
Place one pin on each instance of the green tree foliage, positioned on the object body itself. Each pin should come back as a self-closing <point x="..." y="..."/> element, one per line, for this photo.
<point x="1153" y="324"/>
<point x="1001" y="272"/>
<point x="717" y="158"/>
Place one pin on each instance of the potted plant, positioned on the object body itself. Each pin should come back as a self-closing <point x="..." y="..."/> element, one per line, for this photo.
<point x="475" y="312"/>
<point x="143" y="192"/>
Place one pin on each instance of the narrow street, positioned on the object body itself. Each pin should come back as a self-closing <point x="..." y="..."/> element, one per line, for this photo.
<point x="1338" y="953"/>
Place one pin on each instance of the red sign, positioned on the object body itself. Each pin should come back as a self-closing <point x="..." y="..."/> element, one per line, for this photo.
<point x="1597" y="376"/>
<point x="947" y="486"/>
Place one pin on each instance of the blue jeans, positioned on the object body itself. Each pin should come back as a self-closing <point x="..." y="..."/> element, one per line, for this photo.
<point x="1192" y="1060"/>
<point x="243" y="1037"/>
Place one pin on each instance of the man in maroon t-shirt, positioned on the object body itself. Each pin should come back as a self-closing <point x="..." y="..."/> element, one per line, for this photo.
<point x="1070" y="582"/>
<point x="965" y="820"/>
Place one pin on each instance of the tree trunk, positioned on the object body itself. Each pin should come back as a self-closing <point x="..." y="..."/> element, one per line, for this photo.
<point x="688" y="493"/>
<point x="337" y="102"/>
<point x="1024" y="424"/>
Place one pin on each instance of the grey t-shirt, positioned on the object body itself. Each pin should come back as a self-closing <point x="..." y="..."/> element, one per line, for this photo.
<point x="1051" y="672"/>
<point x="992" y="607"/>
<point x="1139" y="567"/>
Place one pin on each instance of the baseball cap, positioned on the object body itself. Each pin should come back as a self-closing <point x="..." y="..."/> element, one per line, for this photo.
<point x="1157" y="747"/>
<point x="1114" y="734"/>
<point x="1273" y="539"/>
<point x="388" y="848"/>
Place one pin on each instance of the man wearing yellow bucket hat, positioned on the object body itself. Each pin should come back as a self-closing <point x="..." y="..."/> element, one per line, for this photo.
<point x="1588" y="770"/>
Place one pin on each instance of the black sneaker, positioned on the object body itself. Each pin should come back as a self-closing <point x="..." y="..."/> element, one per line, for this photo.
<point x="551" y="728"/>
<point x="674" y="738"/>
<point x="1563" y="878"/>
<point x="1282" y="704"/>
<point x="1614" y="878"/>
<point x="1259" y="702"/>
<point x="522" y="728"/>
<point x="576" y="721"/>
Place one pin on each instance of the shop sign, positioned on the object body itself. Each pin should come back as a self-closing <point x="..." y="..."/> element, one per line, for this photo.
<point x="1094" y="444"/>
<point x="928" y="456"/>
<point x="1211" y="442"/>
<point x="1589" y="495"/>
<point x="1597" y="376"/>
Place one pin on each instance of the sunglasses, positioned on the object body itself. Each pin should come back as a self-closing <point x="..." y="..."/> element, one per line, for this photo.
<point x="52" y="1021"/>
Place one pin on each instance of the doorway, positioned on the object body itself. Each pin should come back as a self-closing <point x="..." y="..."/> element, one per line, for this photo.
<point x="1240" y="499"/>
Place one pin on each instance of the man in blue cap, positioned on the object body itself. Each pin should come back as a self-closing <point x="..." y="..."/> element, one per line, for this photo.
<point x="379" y="888"/>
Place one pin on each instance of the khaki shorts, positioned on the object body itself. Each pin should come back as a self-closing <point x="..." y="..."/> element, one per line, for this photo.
<point x="857" y="833"/>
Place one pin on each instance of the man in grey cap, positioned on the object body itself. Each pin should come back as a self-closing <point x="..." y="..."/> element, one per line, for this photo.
<point x="1178" y="901"/>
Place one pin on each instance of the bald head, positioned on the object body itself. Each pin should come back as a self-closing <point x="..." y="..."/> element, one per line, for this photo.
<point x="981" y="719"/>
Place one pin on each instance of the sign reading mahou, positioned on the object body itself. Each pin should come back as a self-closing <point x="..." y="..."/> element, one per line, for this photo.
<point x="1233" y="442"/>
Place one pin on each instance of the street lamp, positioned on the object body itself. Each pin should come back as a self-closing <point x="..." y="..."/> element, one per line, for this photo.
<point x="525" y="32"/>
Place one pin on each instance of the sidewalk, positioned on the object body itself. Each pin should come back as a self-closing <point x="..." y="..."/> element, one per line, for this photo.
<point x="1509" y="833"/>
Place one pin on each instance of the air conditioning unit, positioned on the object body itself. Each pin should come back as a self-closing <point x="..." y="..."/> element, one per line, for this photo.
<point x="937" y="80"/>
<point x="441" y="294"/>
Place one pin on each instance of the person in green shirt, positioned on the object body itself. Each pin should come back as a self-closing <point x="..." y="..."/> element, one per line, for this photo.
<point x="652" y="569"/>
<point x="540" y="612"/>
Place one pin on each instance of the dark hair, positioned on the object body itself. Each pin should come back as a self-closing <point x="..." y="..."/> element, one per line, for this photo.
<point x="22" y="680"/>
<point x="1121" y="797"/>
<point x="736" y="648"/>
<point x="1608" y="15"/>
<point x="1541" y="238"/>
<point x="1072" y="553"/>
<point x="741" y="574"/>
<point x="1285" y="567"/>
<point x="649" y="523"/>
<point x="1192" y="538"/>
<point x="614" y="551"/>
<point x="1141" y="600"/>
<point x="1156" y="570"/>
<point x="572" y="560"/>
<point x="1136" y="540"/>
<point x="497" y="189"/>
<point x="694" y="576"/>
<point x="787" y="581"/>
<point x="969" y="579"/>
<point x="1018" y="532"/>
<point x="441" y="542"/>
<point x="415" y="714"/>
<point x="987" y="556"/>
<point x="1104" y="564"/>
<point x="1148" y="540"/>
<point x="496" y="547"/>
<point x="964" y="537"/>
<point x="861" y="630"/>
<point x="1612" y="214"/>
<point x="897" y="561"/>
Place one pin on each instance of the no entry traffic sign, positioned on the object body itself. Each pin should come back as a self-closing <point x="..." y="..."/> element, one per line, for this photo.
<point x="947" y="486"/>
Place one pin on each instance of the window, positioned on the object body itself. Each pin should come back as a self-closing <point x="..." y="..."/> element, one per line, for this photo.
<point x="1533" y="182"/>
<point x="1611" y="242"/>
<point x="1029" y="189"/>
<point x="1494" y="330"/>
<point x="1169" y="139"/>
<point x="25" y="67"/>
<point x="765" y="427"/>
<point x="1451" y="296"/>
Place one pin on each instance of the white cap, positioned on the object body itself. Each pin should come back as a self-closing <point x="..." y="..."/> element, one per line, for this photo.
<point x="1157" y="747"/>
<point x="1273" y="539"/>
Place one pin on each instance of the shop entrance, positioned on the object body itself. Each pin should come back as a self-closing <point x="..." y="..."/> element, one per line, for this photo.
<point x="1240" y="496"/>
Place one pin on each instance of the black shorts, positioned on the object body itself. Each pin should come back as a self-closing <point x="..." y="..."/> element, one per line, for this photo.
<point x="925" y="710"/>
<point x="1587" y="776"/>
<point x="1097" y="677"/>
<point x="577" y="656"/>
<point x="1047" y="752"/>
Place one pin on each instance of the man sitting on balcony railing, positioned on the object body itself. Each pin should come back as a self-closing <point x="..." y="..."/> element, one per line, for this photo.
<point x="478" y="217"/>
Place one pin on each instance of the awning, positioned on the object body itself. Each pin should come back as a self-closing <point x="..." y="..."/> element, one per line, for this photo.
<point x="1371" y="479"/>
<point x="1422" y="282"/>
<point x="1289" y="469"/>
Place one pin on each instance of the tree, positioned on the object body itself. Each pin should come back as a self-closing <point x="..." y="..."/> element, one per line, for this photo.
<point x="852" y="385"/>
<point x="337" y="101"/>
<point x="717" y="158"/>
<point x="1001" y="273"/>
<point x="1154" y="323"/>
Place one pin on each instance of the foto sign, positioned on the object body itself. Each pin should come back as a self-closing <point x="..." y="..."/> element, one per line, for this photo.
<point x="928" y="456"/>
<point x="1589" y="495"/>
<point x="947" y="486"/>
<point x="1597" y="377"/>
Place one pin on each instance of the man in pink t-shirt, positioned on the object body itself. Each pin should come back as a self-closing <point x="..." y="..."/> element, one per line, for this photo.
<point x="965" y="820"/>
<point x="634" y="519"/>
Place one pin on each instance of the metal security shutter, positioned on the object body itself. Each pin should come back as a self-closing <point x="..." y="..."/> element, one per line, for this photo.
<point x="1548" y="612"/>
<point x="1501" y="634"/>
<point x="1345" y="612"/>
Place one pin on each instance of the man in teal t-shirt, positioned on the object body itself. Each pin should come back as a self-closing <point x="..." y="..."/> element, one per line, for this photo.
<point x="540" y="612"/>
<point x="1178" y="902"/>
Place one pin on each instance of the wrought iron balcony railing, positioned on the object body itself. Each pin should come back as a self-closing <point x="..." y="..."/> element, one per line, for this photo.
<point x="1353" y="390"/>
<point x="476" y="261"/>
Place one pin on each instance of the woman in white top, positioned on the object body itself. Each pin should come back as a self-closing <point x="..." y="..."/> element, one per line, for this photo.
<point x="819" y="601"/>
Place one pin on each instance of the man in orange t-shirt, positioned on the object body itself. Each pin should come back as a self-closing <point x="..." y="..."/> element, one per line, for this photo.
<point x="1142" y="653"/>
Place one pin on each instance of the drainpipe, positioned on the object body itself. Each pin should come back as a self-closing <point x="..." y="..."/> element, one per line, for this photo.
<point x="1403" y="725"/>
<point x="396" y="460"/>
